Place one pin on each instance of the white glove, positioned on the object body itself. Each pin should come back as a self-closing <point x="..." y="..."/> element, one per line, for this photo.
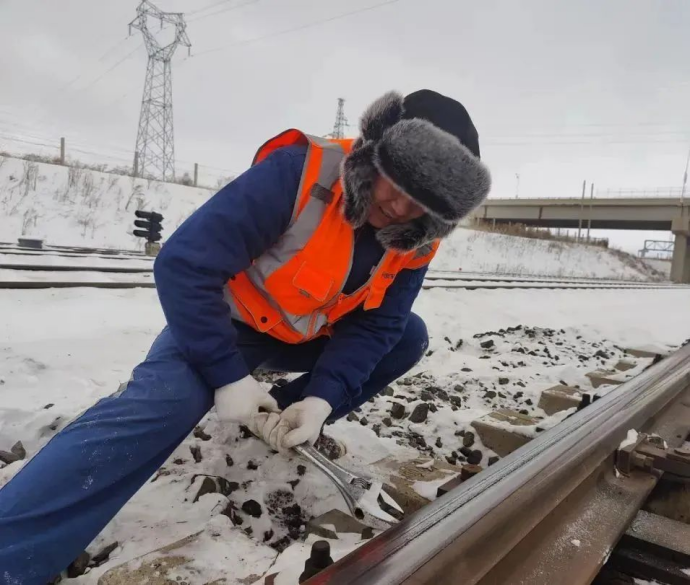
<point x="299" y="423"/>
<point x="241" y="400"/>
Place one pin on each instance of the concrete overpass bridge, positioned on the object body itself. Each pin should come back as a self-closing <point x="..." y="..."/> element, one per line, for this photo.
<point x="634" y="213"/>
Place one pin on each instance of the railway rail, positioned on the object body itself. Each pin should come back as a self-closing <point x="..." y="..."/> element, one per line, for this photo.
<point x="13" y="275"/>
<point x="553" y="511"/>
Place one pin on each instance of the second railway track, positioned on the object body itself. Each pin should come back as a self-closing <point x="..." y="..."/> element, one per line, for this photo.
<point x="14" y="276"/>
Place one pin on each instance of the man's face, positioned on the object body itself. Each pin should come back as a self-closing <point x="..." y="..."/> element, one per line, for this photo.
<point x="390" y="206"/>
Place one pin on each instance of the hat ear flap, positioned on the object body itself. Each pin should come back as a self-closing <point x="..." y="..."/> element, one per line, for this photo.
<point x="414" y="234"/>
<point x="358" y="174"/>
<point x="380" y="115"/>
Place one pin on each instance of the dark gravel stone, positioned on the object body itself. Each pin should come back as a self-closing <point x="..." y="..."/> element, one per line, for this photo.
<point x="245" y="433"/>
<point x="367" y="533"/>
<point x="268" y="535"/>
<point x="433" y="407"/>
<point x="104" y="554"/>
<point x="459" y="433"/>
<point x="301" y="470"/>
<point x="503" y="381"/>
<point x="439" y="443"/>
<point x="377" y="429"/>
<point x="8" y="457"/>
<point x="388" y="391"/>
<point x="518" y="395"/>
<point x="47" y="406"/>
<point x="521" y="384"/>
<point x="475" y="457"/>
<point x="253" y="508"/>
<point x="208" y="486"/>
<point x="227" y="487"/>
<point x="459" y="344"/>
<point x="490" y="394"/>
<point x="488" y="344"/>
<point x="387" y="421"/>
<point x="524" y="411"/>
<point x="466" y="370"/>
<point x="468" y="439"/>
<point x="529" y="402"/>
<point x="441" y="394"/>
<point x="251" y="465"/>
<point x="281" y="545"/>
<point x="18" y="450"/>
<point x="602" y="354"/>
<point x="426" y="395"/>
<point x="459" y="388"/>
<point x="466" y="451"/>
<point x="420" y="413"/>
<point x="195" y="450"/>
<point x="419" y="441"/>
<point x="352" y="417"/>
<point x="397" y="410"/>
<point x="229" y="461"/>
<point x="293" y="483"/>
<point x="199" y="433"/>
<point x="79" y="565"/>
<point x="452" y="460"/>
<point x="363" y="421"/>
<point x="456" y="400"/>
<point x="493" y="459"/>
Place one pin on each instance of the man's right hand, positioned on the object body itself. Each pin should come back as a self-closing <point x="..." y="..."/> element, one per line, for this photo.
<point x="240" y="402"/>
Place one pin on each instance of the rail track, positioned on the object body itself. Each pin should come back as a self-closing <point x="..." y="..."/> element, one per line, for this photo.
<point x="554" y="510"/>
<point x="14" y="275"/>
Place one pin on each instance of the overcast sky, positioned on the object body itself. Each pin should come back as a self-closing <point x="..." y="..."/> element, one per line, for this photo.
<point x="560" y="91"/>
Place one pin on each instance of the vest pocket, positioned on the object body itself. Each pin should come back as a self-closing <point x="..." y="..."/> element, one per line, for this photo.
<point x="313" y="283"/>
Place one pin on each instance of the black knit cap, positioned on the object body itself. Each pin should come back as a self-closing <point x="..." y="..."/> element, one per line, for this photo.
<point x="444" y="113"/>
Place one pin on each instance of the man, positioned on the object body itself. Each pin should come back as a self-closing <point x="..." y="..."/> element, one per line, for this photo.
<point x="308" y="262"/>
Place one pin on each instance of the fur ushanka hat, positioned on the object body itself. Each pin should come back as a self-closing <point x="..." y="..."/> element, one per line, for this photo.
<point x="427" y="146"/>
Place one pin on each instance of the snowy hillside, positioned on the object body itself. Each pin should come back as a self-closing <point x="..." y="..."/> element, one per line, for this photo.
<point x="73" y="206"/>
<point x="479" y="251"/>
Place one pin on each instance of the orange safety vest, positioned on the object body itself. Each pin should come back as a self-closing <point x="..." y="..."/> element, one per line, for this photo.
<point x="293" y="291"/>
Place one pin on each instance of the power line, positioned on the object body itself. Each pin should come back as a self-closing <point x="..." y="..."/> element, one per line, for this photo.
<point x="115" y="66"/>
<point x="298" y="28"/>
<point x="205" y="8"/>
<point x="230" y="9"/>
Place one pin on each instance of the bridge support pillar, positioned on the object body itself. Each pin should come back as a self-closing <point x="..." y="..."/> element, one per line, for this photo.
<point x="680" y="266"/>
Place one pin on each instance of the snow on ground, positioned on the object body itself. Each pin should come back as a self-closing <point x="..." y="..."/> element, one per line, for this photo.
<point x="481" y="251"/>
<point x="61" y="350"/>
<point x="69" y="205"/>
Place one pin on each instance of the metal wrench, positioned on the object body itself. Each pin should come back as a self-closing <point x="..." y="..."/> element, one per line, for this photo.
<point x="365" y="498"/>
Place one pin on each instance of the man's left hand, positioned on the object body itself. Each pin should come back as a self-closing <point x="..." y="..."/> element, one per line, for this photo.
<point x="299" y="423"/>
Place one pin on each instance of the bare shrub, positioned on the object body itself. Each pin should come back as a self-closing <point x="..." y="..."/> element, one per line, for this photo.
<point x="521" y="230"/>
<point x="29" y="220"/>
<point x="222" y="181"/>
<point x="137" y="196"/>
